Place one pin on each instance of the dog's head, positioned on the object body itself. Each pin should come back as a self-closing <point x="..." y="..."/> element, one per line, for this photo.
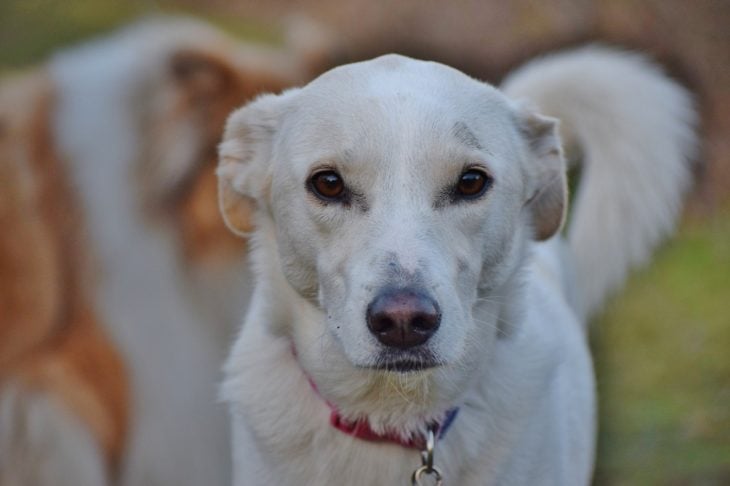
<point x="400" y="195"/>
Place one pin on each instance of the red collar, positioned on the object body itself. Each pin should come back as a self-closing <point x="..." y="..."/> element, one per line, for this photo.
<point x="361" y="429"/>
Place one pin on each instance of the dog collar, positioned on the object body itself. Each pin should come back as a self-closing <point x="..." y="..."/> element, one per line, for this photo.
<point x="361" y="429"/>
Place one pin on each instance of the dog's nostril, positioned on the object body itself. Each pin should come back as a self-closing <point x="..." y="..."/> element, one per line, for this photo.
<point x="425" y="322"/>
<point x="380" y="323"/>
<point x="403" y="318"/>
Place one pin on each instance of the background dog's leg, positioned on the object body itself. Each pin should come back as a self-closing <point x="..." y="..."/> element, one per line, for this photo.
<point x="43" y="444"/>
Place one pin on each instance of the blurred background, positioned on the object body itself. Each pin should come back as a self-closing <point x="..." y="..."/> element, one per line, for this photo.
<point x="662" y="348"/>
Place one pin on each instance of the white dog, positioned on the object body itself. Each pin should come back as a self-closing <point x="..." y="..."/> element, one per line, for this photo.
<point x="412" y="281"/>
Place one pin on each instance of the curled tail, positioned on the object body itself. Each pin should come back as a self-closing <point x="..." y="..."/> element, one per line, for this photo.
<point x="634" y="128"/>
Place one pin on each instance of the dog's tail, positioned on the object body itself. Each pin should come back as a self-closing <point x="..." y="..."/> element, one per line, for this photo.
<point x="635" y="132"/>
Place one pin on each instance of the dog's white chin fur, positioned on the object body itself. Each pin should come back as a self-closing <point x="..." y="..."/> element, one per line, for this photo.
<point x="522" y="374"/>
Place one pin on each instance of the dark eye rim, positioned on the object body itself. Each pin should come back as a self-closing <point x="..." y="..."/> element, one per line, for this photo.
<point x="487" y="178"/>
<point x="312" y="187"/>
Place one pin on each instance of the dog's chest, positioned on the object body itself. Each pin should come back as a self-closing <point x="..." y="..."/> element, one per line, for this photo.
<point x="329" y="459"/>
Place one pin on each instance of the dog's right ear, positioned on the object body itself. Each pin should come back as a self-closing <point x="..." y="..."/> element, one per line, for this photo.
<point x="244" y="175"/>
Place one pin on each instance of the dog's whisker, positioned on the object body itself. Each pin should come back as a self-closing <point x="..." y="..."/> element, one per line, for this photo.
<point x="492" y="299"/>
<point x="498" y="319"/>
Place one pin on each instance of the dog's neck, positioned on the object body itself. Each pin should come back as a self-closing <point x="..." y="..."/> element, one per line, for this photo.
<point x="360" y="427"/>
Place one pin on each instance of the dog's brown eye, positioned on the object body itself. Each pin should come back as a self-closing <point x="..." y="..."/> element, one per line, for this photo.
<point x="472" y="184"/>
<point x="327" y="185"/>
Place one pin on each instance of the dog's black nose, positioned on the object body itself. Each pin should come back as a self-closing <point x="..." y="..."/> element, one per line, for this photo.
<point x="403" y="318"/>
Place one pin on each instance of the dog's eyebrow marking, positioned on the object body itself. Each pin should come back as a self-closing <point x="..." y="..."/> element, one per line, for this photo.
<point x="463" y="134"/>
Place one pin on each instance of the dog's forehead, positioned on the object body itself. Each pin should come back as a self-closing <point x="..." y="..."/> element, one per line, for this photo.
<point x="397" y="101"/>
<point x="399" y="79"/>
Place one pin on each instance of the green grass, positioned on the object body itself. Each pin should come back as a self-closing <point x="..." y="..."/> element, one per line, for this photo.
<point x="31" y="30"/>
<point x="662" y="353"/>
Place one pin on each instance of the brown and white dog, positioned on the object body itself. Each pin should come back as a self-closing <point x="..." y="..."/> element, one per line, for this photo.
<point x="119" y="284"/>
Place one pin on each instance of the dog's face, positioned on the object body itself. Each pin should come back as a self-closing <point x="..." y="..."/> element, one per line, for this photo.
<point x="401" y="194"/>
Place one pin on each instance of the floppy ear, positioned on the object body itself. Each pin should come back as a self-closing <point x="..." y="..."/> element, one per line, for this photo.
<point x="185" y="113"/>
<point x="245" y="159"/>
<point x="547" y="187"/>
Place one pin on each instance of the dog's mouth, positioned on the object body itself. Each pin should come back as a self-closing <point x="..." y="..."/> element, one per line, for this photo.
<point x="406" y="361"/>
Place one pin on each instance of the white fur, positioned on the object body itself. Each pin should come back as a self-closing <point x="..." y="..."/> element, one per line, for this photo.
<point x="172" y="342"/>
<point x="511" y="351"/>
<point x="43" y="444"/>
<point x="635" y="133"/>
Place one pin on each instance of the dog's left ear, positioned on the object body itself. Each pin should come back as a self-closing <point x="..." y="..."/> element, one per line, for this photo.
<point x="547" y="187"/>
